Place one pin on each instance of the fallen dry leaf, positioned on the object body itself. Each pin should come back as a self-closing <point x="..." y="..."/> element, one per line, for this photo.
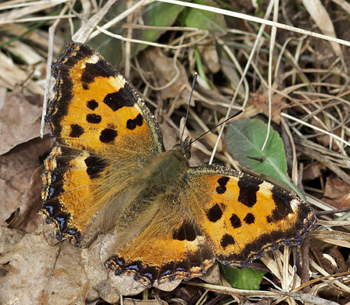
<point x="37" y="273"/>
<point x="337" y="193"/>
<point x="169" y="74"/>
<point x="16" y="170"/>
<point x="261" y="102"/>
<point x="19" y="120"/>
<point x="313" y="171"/>
<point x="336" y="187"/>
<point x="26" y="217"/>
<point x="210" y="57"/>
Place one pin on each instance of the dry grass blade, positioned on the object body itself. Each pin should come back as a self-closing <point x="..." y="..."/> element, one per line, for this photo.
<point x="327" y="157"/>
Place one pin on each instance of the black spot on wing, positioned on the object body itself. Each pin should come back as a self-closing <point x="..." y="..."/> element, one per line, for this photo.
<point x="132" y="123"/>
<point x="235" y="221"/>
<point x="227" y="240"/>
<point x="92" y="104"/>
<point x="99" y="69"/>
<point x="76" y="131"/>
<point x="282" y="201"/>
<point x="214" y="213"/>
<point x="249" y="219"/>
<point x="248" y="187"/>
<point x="185" y="232"/>
<point x="125" y="97"/>
<point x="93" y="118"/>
<point x="222" y="185"/>
<point x="95" y="166"/>
<point x="108" y="135"/>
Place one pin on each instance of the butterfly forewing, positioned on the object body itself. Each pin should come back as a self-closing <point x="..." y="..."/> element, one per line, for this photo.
<point x="242" y="216"/>
<point x="96" y="121"/>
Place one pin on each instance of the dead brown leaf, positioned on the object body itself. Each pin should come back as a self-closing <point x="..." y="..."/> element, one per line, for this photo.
<point x="167" y="73"/>
<point x="26" y="217"/>
<point x="337" y="193"/>
<point x="210" y="57"/>
<point x="261" y="102"/>
<point x="313" y="171"/>
<point x="19" y="120"/>
<point x="16" y="172"/>
<point x="37" y="273"/>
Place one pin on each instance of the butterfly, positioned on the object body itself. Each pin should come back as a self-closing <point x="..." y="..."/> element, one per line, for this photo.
<point x="108" y="172"/>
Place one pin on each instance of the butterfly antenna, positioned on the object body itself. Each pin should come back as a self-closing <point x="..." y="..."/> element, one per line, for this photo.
<point x="211" y="129"/>
<point x="188" y="106"/>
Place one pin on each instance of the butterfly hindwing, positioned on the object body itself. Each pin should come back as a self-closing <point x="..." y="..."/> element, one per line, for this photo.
<point x="175" y="251"/>
<point x="217" y="213"/>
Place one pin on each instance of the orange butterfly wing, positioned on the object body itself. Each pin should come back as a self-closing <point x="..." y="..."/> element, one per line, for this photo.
<point x="100" y="126"/>
<point x="242" y="217"/>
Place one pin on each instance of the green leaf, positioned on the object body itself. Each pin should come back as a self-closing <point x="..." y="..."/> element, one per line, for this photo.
<point x="205" y="20"/>
<point x="245" y="139"/>
<point x="155" y="14"/>
<point x="247" y="278"/>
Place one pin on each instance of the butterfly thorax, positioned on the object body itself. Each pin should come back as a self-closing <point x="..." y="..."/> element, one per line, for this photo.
<point x="160" y="185"/>
<point x="166" y="171"/>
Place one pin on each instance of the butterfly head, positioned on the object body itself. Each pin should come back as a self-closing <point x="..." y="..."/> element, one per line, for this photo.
<point x="185" y="147"/>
